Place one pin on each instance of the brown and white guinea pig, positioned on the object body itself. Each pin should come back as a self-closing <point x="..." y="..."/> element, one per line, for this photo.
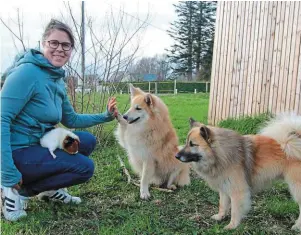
<point x="62" y="139"/>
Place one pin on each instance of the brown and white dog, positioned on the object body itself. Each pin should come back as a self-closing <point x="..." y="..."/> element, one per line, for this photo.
<point x="151" y="142"/>
<point x="237" y="166"/>
<point x="60" y="138"/>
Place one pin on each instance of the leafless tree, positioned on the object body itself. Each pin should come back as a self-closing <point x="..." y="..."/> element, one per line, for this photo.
<point x="110" y="48"/>
<point x="158" y="65"/>
<point x="17" y="30"/>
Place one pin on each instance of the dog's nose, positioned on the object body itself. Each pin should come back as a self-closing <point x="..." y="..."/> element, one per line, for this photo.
<point x="125" y="117"/>
<point x="178" y="156"/>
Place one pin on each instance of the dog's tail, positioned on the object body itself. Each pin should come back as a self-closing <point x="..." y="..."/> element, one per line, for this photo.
<point x="286" y="130"/>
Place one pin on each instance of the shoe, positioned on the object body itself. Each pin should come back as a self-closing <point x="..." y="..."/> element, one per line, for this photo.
<point x="12" y="208"/>
<point x="59" y="195"/>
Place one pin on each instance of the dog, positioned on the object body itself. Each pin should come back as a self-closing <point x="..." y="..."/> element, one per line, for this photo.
<point x="60" y="138"/>
<point x="146" y="133"/>
<point x="238" y="166"/>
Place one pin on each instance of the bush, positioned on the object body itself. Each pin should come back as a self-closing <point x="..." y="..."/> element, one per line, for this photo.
<point x="245" y="125"/>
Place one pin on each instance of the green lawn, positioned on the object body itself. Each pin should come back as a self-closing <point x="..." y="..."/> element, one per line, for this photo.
<point x="112" y="206"/>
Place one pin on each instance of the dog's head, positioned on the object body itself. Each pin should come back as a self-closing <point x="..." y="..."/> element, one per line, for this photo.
<point x="198" y="145"/>
<point x="71" y="145"/>
<point x="144" y="106"/>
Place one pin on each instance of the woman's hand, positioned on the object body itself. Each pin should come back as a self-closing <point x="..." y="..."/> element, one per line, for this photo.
<point x="111" y="106"/>
<point x="18" y="185"/>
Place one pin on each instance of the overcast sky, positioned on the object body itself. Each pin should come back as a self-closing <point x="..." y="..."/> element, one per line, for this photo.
<point x="36" y="14"/>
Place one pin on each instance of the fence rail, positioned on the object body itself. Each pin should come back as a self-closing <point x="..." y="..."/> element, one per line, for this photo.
<point x="256" y="64"/>
<point x="163" y="87"/>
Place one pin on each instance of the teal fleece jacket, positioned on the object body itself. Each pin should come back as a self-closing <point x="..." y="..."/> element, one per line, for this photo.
<point x="34" y="99"/>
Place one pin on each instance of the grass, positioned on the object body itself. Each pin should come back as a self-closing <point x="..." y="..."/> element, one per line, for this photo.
<point x="111" y="206"/>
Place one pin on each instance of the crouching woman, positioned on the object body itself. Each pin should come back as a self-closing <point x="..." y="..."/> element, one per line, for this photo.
<point x="33" y="101"/>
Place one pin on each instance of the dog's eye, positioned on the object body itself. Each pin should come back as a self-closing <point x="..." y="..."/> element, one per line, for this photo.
<point x="137" y="108"/>
<point x="192" y="144"/>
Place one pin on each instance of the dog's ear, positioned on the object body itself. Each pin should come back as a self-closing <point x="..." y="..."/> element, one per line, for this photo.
<point x="193" y="123"/>
<point x="206" y="134"/>
<point x="133" y="90"/>
<point x="149" y="100"/>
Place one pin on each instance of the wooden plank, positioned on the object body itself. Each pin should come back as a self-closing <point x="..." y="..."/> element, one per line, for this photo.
<point x="221" y="87"/>
<point x="238" y="60"/>
<point x="235" y="77"/>
<point x="284" y="58"/>
<point x="279" y="61"/>
<point x="230" y="60"/>
<point x="297" y="107"/>
<point x="244" y="59"/>
<point x="274" y="82"/>
<point x="225" y="100"/>
<point x="250" y="80"/>
<point x="260" y="59"/>
<point x="292" y="81"/>
<point x="267" y="71"/>
<point x="287" y="52"/>
<point x="215" y="63"/>
<point x="253" y="83"/>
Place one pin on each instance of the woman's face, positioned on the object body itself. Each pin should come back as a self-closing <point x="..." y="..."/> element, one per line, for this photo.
<point x="56" y="47"/>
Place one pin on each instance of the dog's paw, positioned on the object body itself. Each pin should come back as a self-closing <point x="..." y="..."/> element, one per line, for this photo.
<point x="230" y="226"/>
<point x="144" y="195"/>
<point x="218" y="217"/>
<point x="172" y="187"/>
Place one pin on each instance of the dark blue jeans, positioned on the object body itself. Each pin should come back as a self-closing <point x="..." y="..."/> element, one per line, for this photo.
<point x="41" y="172"/>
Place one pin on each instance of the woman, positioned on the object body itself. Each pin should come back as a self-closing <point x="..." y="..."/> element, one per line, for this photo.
<point x="34" y="100"/>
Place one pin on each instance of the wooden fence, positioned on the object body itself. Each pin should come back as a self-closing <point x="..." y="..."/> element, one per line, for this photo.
<point x="256" y="64"/>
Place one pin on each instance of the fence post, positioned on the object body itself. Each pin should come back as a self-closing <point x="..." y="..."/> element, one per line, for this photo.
<point x="156" y="91"/>
<point x="175" y="87"/>
<point x="206" y="87"/>
<point x="194" y="91"/>
<point x="120" y="92"/>
<point x="148" y="87"/>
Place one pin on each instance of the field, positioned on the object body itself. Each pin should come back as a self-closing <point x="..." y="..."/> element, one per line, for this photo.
<point x="112" y="206"/>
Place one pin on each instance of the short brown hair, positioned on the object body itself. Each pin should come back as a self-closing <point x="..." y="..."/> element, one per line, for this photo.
<point x="56" y="24"/>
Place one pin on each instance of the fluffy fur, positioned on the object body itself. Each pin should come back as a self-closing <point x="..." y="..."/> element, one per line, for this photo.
<point x="147" y="134"/>
<point x="237" y="166"/>
<point x="62" y="139"/>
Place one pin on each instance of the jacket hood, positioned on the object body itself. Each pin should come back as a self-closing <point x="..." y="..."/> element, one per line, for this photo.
<point x="37" y="58"/>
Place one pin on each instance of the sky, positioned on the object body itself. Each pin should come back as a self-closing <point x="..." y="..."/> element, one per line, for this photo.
<point x="36" y="14"/>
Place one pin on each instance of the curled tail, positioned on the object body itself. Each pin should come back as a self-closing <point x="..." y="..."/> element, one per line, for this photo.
<point x="286" y="130"/>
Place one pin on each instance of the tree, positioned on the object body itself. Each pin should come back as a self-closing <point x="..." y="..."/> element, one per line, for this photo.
<point x="181" y="31"/>
<point x="158" y="65"/>
<point x="193" y="34"/>
<point x="203" y="36"/>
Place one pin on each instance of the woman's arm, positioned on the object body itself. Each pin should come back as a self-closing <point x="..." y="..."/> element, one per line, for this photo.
<point x="16" y="92"/>
<point x="71" y="119"/>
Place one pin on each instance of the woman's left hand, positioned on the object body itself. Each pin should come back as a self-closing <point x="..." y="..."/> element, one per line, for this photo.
<point x="111" y="106"/>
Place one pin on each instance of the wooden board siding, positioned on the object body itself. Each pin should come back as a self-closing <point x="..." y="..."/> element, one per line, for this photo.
<point x="256" y="64"/>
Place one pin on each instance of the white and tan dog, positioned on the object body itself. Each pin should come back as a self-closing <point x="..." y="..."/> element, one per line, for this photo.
<point x="147" y="134"/>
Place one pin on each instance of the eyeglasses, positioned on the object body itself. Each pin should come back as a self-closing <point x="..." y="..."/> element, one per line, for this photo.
<point x="54" y="44"/>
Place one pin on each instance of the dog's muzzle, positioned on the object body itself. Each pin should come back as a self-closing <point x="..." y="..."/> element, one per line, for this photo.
<point x="188" y="157"/>
<point x="133" y="121"/>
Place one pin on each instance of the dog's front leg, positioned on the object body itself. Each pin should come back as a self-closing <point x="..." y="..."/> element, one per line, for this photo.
<point x="240" y="205"/>
<point x="224" y="206"/>
<point x="146" y="176"/>
<point x="121" y="120"/>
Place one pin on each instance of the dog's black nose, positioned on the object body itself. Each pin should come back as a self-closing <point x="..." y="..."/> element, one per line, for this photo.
<point x="178" y="156"/>
<point x="125" y="117"/>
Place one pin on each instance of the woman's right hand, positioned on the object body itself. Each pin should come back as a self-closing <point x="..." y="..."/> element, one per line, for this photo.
<point x="18" y="185"/>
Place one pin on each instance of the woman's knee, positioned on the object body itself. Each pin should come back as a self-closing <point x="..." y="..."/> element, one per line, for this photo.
<point x="87" y="142"/>
<point x="89" y="169"/>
